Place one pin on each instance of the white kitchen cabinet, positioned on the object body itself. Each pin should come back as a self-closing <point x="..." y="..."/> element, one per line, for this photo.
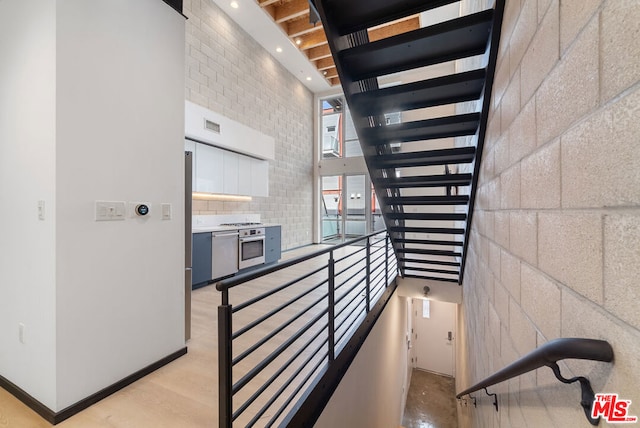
<point x="224" y="172"/>
<point x="209" y="173"/>
<point x="230" y="172"/>
<point x="244" y="175"/>
<point x="259" y="177"/>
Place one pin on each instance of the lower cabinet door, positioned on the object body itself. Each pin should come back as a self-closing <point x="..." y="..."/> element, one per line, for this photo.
<point x="201" y="258"/>
<point x="272" y="244"/>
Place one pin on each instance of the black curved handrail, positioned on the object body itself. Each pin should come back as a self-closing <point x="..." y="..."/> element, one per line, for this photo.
<point x="548" y="355"/>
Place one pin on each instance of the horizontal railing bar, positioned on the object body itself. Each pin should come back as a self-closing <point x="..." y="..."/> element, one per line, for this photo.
<point x="345" y="257"/>
<point x="362" y="301"/>
<point x="351" y="266"/>
<point x="295" y="393"/>
<point x="549" y="353"/>
<point x="268" y="315"/>
<point x="273" y="355"/>
<point x="375" y="277"/>
<point x="283" y="388"/>
<point x="375" y="289"/>
<point x="288" y="284"/>
<point x="346" y="305"/>
<point x="288" y="363"/>
<point x="349" y="279"/>
<point x="377" y="250"/>
<point x="253" y="274"/>
<point x="349" y="291"/>
<point x="275" y="332"/>
<point x="354" y="307"/>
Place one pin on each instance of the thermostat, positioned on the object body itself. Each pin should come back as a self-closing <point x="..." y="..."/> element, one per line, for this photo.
<point x="142" y="209"/>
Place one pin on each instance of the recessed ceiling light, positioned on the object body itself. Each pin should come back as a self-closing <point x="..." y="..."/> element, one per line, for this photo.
<point x="298" y="41"/>
<point x="278" y="49"/>
<point x="308" y="78"/>
<point x="234" y="4"/>
<point x="324" y="72"/>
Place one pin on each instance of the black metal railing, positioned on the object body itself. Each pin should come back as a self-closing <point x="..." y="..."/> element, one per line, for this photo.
<point x="279" y="335"/>
<point x="548" y="355"/>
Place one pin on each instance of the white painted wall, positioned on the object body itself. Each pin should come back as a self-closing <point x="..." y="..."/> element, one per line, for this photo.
<point x="120" y="125"/>
<point x="92" y="107"/>
<point x="27" y="171"/>
<point x="371" y="394"/>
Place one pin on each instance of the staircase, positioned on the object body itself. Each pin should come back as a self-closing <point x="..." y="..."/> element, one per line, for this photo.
<point x="425" y="183"/>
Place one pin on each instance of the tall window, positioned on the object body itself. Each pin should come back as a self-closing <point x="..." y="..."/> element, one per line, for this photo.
<point x="348" y="206"/>
<point x="339" y="138"/>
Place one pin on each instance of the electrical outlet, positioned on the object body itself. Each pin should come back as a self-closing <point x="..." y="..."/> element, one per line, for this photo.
<point x="21" y="332"/>
<point x="108" y="211"/>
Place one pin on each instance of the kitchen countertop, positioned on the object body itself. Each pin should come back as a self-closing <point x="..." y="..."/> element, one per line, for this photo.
<point x="209" y="229"/>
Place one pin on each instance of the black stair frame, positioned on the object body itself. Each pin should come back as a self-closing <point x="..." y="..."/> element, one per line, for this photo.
<point x="422" y="130"/>
<point x="369" y="113"/>
<point x="426" y="44"/>
<point x="455" y="88"/>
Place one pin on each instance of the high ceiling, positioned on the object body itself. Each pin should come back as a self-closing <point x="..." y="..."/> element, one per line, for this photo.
<point x="292" y="16"/>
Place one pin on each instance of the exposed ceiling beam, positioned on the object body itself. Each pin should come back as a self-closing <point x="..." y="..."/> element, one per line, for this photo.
<point x="291" y="10"/>
<point x="265" y="3"/>
<point x="312" y="40"/>
<point x="324" y="63"/>
<point x="331" y="73"/>
<point x="319" y="52"/>
<point x="301" y="26"/>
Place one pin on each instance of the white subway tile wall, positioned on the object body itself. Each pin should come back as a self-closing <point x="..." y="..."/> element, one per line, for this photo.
<point x="228" y="72"/>
<point x="555" y="242"/>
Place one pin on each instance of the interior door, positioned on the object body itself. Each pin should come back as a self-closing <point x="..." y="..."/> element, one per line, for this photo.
<point x="434" y="327"/>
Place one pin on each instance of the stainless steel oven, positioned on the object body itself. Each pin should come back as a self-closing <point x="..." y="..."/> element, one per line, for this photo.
<point x="251" y="247"/>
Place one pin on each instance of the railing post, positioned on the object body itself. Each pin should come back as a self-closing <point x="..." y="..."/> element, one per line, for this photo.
<point x="331" y="310"/>
<point x="225" y="395"/>
<point x="386" y="260"/>
<point x="368" y="274"/>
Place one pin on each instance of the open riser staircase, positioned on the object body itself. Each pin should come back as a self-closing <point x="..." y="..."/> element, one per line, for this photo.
<point x="425" y="178"/>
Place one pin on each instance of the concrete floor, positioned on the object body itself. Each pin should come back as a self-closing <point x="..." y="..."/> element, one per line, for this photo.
<point x="431" y="401"/>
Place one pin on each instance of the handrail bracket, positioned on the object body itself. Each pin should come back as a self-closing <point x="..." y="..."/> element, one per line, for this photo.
<point x="588" y="396"/>
<point x="495" y="398"/>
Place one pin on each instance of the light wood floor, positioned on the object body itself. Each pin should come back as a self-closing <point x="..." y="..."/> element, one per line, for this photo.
<point x="181" y="394"/>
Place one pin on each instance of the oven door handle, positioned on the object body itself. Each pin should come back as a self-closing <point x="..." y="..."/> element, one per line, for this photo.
<point x="251" y="239"/>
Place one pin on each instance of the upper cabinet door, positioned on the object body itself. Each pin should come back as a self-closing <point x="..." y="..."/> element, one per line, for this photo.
<point x="259" y="177"/>
<point x="209" y="169"/>
<point x="230" y="172"/>
<point x="244" y="175"/>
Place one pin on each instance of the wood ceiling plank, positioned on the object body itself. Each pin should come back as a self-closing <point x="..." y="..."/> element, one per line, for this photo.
<point x="335" y="81"/>
<point x="311" y="40"/>
<point x="319" y="52"/>
<point x="291" y="10"/>
<point x="265" y="3"/>
<point x="301" y="26"/>
<point x="324" y="63"/>
<point x="400" y="27"/>
<point x="331" y="73"/>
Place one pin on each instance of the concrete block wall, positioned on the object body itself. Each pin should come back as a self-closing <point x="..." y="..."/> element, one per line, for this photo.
<point x="228" y="72"/>
<point x="555" y="243"/>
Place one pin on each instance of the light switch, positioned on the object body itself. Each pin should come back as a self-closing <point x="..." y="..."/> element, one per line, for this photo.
<point x="166" y="211"/>
<point x="40" y="210"/>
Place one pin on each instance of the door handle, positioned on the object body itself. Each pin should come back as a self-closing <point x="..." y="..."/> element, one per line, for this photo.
<point x="450" y="336"/>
